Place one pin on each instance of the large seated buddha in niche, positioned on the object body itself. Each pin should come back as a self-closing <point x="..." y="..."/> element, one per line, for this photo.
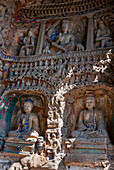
<point x="91" y="121"/>
<point x="27" y="124"/>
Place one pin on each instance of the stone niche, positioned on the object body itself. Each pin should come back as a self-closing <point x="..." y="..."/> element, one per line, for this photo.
<point x="87" y="128"/>
<point x="25" y="123"/>
<point x="65" y="35"/>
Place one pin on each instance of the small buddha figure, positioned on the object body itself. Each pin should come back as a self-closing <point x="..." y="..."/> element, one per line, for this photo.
<point x="91" y="121"/>
<point x="103" y="38"/>
<point x="65" y="41"/>
<point x="28" y="124"/>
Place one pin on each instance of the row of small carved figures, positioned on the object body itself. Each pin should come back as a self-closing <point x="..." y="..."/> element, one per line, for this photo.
<point x="78" y="80"/>
<point x="45" y="64"/>
<point x="48" y="75"/>
<point x="54" y="63"/>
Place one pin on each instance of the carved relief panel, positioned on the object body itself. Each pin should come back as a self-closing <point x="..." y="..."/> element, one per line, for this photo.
<point x="15" y="108"/>
<point x="104" y="32"/>
<point x="65" y="35"/>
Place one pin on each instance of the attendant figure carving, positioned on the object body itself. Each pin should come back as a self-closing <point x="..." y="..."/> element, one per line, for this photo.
<point x="29" y="43"/>
<point x="91" y="121"/>
<point x="28" y="124"/>
<point x="103" y="36"/>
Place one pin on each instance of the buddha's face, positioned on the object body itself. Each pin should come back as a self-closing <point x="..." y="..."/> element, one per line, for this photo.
<point x="101" y="25"/>
<point x="90" y="103"/>
<point x="28" y="106"/>
<point x="65" y="27"/>
<point x="30" y="33"/>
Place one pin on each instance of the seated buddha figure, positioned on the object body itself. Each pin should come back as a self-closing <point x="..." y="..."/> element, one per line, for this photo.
<point x="91" y="121"/>
<point x="103" y="36"/>
<point x="65" y="41"/>
<point x="27" y="123"/>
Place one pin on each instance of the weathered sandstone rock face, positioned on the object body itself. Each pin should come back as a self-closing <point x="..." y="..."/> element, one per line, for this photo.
<point x="56" y="85"/>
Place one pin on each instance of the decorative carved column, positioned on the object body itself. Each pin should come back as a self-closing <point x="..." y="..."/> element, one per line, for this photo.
<point x="89" y="44"/>
<point x="40" y="39"/>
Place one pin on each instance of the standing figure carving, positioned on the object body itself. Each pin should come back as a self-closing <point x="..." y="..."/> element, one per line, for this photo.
<point x="27" y="124"/>
<point x="91" y="121"/>
<point x="103" y="36"/>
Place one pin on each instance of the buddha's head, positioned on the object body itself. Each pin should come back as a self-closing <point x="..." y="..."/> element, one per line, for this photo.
<point x="90" y="101"/>
<point x="65" y="26"/>
<point x="28" y="106"/>
<point x="30" y="33"/>
<point x="101" y="25"/>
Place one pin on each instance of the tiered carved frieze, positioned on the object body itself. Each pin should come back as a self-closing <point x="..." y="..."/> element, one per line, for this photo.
<point x="85" y="68"/>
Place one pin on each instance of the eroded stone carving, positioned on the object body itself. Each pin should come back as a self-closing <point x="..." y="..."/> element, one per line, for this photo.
<point x="54" y="75"/>
<point x="65" y="40"/>
<point x="28" y="124"/>
<point x="66" y="35"/>
<point x="103" y="36"/>
<point x="33" y="161"/>
<point x="29" y="43"/>
<point x="91" y="121"/>
<point x="46" y="50"/>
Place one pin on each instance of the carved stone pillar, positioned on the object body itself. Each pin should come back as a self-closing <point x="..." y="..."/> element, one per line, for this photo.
<point x="40" y="39"/>
<point x="89" y="44"/>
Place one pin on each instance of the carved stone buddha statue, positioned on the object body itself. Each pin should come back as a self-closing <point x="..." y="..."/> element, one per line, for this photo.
<point x="91" y="121"/>
<point x="27" y="123"/>
<point x="65" y="41"/>
<point x="103" y="36"/>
